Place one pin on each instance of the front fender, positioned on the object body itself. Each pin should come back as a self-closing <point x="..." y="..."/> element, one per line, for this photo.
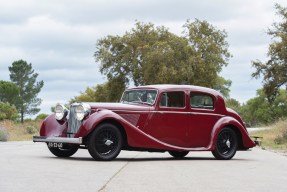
<point x="95" y="119"/>
<point x="230" y="122"/>
<point x="53" y="128"/>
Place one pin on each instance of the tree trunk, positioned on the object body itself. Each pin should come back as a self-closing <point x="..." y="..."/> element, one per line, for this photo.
<point x="22" y="116"/>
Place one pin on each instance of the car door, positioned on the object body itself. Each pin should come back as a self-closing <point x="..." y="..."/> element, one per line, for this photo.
<point x="203" y="117"/>
<point x="169" y="122"/>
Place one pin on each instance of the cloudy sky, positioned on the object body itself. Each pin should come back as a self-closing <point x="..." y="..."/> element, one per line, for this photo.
<point x="59" y="37"/>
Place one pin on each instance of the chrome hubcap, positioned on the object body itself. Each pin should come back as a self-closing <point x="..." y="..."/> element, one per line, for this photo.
<point x="228" y="143"/>
<point x="108" y="142"/>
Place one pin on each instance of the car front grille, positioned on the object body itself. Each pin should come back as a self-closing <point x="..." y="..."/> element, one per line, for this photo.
<point x="73" y="124"/>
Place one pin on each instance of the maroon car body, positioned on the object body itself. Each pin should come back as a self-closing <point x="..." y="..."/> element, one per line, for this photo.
<point x="173" y="118"/>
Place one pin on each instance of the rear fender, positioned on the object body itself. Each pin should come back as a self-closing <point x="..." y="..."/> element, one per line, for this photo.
<point x="230" y="122"/>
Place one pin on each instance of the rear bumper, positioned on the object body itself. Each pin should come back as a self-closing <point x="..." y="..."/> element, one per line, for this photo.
<point x="58" y="139"/>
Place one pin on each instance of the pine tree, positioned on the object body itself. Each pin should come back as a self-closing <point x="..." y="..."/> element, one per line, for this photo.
<point x="23" y="75"/>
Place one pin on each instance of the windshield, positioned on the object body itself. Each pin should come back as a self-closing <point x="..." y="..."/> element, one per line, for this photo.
<point x="139" y="96"/>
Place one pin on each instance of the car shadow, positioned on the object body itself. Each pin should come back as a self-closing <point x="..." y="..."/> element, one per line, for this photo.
<point x="151" y="159"/>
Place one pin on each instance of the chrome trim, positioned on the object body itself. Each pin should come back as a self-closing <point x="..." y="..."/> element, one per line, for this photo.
<point x="73" y="123"/>
<point x="213" y="114"/>
<point x="183" y="112"/>
<point x="58" y="139"/>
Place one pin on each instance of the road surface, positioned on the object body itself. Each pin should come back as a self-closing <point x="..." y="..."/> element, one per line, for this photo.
<point x="30" y="167"/>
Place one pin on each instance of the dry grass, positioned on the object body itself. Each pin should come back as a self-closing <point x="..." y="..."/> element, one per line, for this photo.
<point x="21" y="132"/>
<point x="274" y="138"/>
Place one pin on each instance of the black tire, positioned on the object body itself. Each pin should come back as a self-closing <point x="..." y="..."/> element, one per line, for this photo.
<point x="105" y="142"/>
<point x="226" y="144"/>
<point x="178" y="154"/>
<point x="66" y="151"/>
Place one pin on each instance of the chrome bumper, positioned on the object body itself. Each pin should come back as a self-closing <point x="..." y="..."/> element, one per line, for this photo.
<point x="58" y="139"/>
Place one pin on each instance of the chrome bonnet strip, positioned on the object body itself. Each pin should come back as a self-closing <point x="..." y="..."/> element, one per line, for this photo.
<point x="58" y="139"/>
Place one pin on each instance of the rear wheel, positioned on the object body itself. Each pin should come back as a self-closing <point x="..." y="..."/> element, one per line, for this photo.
<point x="226" y="144"/>
<point x="66" y="151"/>
<point x="105" y="143"/>
<point x="178" y="154"/>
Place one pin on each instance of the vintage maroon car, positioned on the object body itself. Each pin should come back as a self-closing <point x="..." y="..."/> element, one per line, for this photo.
<point x="155" y="118"/>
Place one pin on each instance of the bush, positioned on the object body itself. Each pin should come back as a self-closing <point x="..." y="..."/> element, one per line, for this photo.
<point x="31" y="129"/>
<point x="8" y="112"/>
<point x="41" y="116"/>
<point x="3" y="134"/>
<point x="281" y="138"/>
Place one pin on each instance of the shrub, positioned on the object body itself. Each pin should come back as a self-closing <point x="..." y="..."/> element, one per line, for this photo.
<point x="3" y="134"/>
<point x="31" y="129"/>
<point x="281" y="137"/>
<point x="41" y="116"/>
<point x="8" y="112"/>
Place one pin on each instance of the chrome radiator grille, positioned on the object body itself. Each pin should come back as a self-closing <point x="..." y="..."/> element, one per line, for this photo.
<point x="73" y="124"/>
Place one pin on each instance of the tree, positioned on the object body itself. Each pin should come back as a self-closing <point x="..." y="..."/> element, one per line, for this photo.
<point x="22" y="74"/>
<point x="233" y="104"/>
<point x="274" y="71"/>
<point x="153" y="55"/>
<point x="259" y="111"/>
<point x="107" y="92"/>
<point x="9" y="92"/>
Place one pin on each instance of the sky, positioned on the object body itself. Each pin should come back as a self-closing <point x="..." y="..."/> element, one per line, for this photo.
<point x="59" y="37"/>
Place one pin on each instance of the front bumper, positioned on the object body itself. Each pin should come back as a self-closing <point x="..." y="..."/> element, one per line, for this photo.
<point x="58" y="140"/>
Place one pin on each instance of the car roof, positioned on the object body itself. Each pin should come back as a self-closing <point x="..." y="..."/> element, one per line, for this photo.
<point x="170" y="87"/>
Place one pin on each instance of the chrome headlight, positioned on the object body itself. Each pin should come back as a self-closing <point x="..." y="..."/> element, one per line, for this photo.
<point x="82" y="110"/>
<point x="60" y="112"/>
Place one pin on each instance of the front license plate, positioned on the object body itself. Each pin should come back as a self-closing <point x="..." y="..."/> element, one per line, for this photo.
<point x="55" y="145"/>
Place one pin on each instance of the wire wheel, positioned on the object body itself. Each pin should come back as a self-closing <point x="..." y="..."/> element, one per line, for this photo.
<point x="226" y="144"/>
<point x="105" y="142"/>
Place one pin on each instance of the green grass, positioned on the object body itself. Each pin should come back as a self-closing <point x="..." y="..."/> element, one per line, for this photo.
<point x="21" y="132"/>
<point x="274" y="138"/>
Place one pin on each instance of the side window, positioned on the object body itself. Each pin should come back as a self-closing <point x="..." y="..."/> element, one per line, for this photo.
<point x="201" y="101"/>
<point x="172" y="99"/>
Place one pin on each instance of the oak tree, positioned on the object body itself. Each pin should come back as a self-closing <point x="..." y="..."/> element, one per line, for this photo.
<point x="152" y="55"/>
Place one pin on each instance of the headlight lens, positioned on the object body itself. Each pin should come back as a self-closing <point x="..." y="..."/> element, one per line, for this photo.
<point x="60" y="112"/>
<point x="82" y="110"/>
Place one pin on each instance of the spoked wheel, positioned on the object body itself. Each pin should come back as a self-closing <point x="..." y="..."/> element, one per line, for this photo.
<point x="105" y="143"/>
<point x="178" y="154"/>
<point x="226" y="144"/>
<point x="66" y="150"/>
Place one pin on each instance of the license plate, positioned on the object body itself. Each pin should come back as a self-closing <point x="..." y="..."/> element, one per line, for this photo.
<point x="55" y="145"/>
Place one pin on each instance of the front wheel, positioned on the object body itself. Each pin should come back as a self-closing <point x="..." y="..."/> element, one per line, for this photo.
<point x="66" y="150"/>
<point x="226" y="144"/>
<point x="178" y="154"/>
<point x="105" y="142"/>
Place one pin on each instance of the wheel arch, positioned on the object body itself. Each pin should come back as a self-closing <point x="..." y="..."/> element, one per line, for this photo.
<point x="244" y="141"/>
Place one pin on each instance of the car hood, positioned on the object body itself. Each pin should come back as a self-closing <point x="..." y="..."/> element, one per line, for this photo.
<point x="120" y="106"/>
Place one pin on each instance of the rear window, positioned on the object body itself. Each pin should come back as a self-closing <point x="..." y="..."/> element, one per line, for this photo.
<point x="201" y="101"/>
<point x="172" y="99"/>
